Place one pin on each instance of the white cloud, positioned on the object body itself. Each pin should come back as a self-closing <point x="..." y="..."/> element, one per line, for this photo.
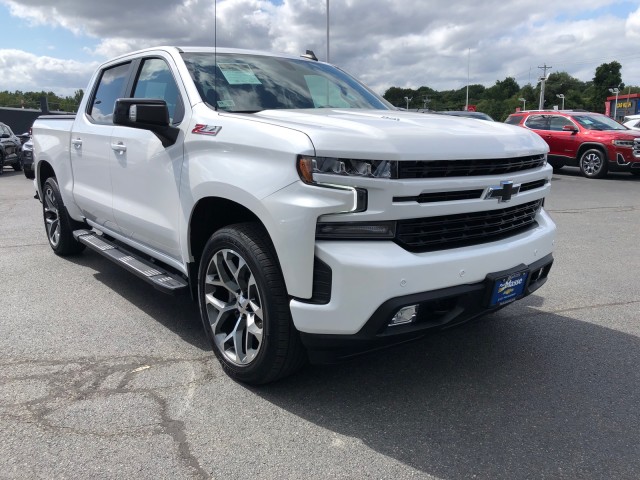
<point x="632" y="26"/>
<point x="27" y="72"/>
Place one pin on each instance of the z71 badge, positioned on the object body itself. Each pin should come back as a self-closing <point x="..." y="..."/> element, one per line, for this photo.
<point x="201" y="129"/>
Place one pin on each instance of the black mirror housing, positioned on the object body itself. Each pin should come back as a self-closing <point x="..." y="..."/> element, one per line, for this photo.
<point x="146" y="114"/>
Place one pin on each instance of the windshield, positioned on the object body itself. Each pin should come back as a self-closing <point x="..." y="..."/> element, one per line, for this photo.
<point x="598" y="122"/>
<point x="251" y="83"/>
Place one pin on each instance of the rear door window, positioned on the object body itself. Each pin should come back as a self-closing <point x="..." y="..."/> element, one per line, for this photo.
<point x="111" y="87"/>
<point x="537" y="122"/>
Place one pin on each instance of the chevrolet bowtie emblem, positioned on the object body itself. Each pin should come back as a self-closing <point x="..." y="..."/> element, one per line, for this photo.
<point x="503" y="192"/>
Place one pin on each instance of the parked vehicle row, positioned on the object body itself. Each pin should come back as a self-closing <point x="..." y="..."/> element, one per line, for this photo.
<point x="10" y="149"/>
<point x="591" y="141"/>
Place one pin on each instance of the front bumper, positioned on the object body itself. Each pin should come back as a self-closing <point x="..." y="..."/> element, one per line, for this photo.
<point x="623" y="160"/>
<point x="438" y="309"/>
<point x="368" y="278"/>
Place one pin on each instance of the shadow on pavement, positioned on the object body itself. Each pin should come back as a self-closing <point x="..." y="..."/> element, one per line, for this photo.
<point x="526" y="396"/>
<point x="179" y="314"/>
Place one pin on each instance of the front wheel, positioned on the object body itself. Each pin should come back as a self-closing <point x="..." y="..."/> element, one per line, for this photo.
<point x="18" y="165"/>
<point x="556" y="164"/>
<point x="593" y="163"/>
<point x="57" y="223"/>
<point x="244" y="306"/>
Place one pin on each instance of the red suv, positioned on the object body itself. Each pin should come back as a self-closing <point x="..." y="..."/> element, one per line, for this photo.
<point x="594" y="142"/>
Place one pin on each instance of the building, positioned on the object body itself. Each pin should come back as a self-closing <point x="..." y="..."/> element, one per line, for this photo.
<point x="627" y="105"/>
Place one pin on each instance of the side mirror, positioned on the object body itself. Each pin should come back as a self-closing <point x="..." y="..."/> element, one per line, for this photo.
<point x="570" y="128"/>
<point x="146" y="114"/>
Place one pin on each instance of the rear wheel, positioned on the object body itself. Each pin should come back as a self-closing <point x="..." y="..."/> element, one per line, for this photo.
<point x="57" y="223"/>
<point x="1" y="163"/>
<point x="244" y="306"/>
<point x="593" y="163"/>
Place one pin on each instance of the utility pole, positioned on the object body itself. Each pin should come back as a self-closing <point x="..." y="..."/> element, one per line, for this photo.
<point x="466" y="104"/>
<point x="543" y="79"/>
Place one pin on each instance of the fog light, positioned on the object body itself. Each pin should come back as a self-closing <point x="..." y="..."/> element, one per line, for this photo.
<point x="404" y="315"/>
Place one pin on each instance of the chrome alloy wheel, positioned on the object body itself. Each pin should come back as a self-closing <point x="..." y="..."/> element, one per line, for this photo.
<point x="592" y="163"/>
<point x="51" y="216"/>
<point x="234" y="307"/>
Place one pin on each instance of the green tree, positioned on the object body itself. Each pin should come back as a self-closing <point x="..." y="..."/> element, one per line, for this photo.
<point x="607" y="76"/>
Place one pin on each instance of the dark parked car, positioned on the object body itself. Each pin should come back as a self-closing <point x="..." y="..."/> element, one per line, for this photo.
<point x="24" y="137"/>
<point x="10" y="146"/>
<point x="27" y="159"/>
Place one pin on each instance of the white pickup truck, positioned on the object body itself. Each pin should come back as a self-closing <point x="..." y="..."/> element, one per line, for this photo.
<point x="307" y="216"/>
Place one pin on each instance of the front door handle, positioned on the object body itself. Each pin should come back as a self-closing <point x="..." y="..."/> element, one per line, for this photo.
<point x="119" y="147"/>
<point x="76" y="142"/>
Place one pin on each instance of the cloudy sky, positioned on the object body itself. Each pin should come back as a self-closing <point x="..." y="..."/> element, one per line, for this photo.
<point x="55" y="45"/>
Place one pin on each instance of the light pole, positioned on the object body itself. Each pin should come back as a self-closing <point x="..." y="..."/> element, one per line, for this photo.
<point x="327" y="31"/>
<point x="615" y="106"/>
<point x="408" y="99"/>
<point x="524" y="102"/>
<point x="561" y="95"/>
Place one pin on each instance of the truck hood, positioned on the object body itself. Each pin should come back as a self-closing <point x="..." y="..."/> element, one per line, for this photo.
<point x="398" y="135"/>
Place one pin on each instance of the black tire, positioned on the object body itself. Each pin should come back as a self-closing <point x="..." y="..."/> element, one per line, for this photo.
<point x="556" y="164"/>
<point x="29" y="174"/>
<point x="57" y="223"/>
<point x="18" y="165"/>
<point x="1" y="163"/>
<point x="593" y="163"/>
<point x="244" y="306"/>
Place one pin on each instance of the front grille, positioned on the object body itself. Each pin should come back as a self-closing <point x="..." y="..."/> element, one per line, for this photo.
<point x="452" y="196"/>
<point x="466" y="168"/>
<point x="442" y="196"/>
<point x="461" y="230"/>
<point x="533" y="185"/>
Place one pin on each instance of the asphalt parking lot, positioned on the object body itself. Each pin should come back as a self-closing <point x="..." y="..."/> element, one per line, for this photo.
<point x="103" y="377"/>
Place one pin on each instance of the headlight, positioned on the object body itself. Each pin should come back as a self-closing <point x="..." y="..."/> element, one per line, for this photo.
<point x="307" y="166"/>
<point x="27" y="146"/>
<point x="623" y="143"/>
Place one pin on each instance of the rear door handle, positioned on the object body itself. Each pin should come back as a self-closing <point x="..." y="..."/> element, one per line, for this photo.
<point x="119" y="147"/>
